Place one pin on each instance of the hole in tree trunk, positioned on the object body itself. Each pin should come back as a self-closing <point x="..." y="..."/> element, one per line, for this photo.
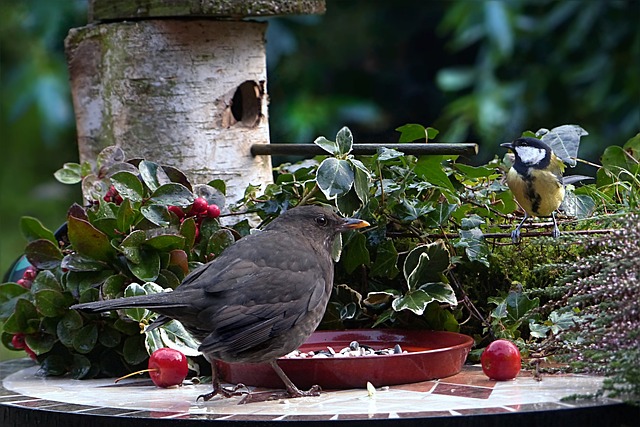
<point x="246" y="104"/>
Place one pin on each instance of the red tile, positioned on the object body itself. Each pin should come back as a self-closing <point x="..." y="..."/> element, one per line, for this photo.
<point x="424" y="387"/>
<point x="462" y="391"/>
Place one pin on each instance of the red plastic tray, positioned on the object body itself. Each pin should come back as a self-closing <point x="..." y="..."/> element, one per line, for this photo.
<point x="430" y="355"/>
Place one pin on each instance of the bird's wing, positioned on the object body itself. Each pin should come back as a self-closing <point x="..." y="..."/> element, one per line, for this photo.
<point x="264" y="292"/>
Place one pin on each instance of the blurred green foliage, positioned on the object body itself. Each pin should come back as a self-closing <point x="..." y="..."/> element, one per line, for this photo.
<point x="478" y="70"/>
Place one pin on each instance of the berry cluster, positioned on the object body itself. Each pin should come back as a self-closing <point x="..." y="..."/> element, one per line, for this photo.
<point x="28" y="277"/>
<point x="200" y="209"/>
<point x="18" y="343"/>
<point x="113" y="196"/>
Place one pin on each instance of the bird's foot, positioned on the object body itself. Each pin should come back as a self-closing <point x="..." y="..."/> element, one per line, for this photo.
<point x="515" y="235"/>
<point x="555" y="233"/>
<point x="266" y="396"/>
<point x="225" y="392"/>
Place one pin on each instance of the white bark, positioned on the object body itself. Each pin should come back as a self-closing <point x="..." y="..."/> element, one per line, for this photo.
<point x="163" y="89"/>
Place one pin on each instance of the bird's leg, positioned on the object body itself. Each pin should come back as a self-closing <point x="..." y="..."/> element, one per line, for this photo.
<point x="556" y="230"/>
<point x="515" y="234"/>
<point x="217" y="387"/>
<point x="292" y="390"/>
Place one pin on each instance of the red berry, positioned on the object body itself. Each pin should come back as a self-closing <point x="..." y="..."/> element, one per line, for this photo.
<point x="168" y="367"/>
<point x="24" y="283"/>
<point x="31" y="353"/>
<point x="177" y="210"/>
<point x="501" y="360"/>
<point x="30" y="273"/>
<point x="17" y="341"/>
<point x="213" y="211"/>
<point x="199" y="206"/>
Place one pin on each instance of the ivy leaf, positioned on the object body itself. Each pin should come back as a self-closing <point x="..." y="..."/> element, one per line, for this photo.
<point x="385" y="154"/>
<point x="519" y="306"/>
<point x="172" y="194"/>
<point x="564" y="141"/>
<point x="88" y="240"/>
<point x="175" y="336"/>
<point x="386" y="261"/>
<point x="43" y="254"/>
<point x="329" y="146"/>
<point x="415" y="301"/>
<point x="128" y="185"/>
<point x="441" y="292"/>
<point x="32" y="229"/>
<point x="348" y="203"/>
<point x="355" y="253"/>
<point x="334" y="177"/>
<point x="440" y="215"/>
<point x="344" y="141"/>
<point x="426" y="263"/>
<point x="579" y="206"/>
<point x="430" y="169"/>
<point x="362" y="178"/>
<point x="412" y="132"/>
<point x="152" y="175"/>
<point x="474" y="245"/>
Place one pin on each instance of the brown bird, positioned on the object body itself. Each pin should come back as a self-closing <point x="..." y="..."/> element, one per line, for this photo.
<point x="260" y="299"/>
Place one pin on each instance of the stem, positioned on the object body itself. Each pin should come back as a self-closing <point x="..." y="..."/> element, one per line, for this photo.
<point x="136" y="373"/>
<point x="306" y="198"/>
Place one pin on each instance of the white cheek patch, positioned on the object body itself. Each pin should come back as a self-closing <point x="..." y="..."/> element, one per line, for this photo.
<point x="530" y="155"/>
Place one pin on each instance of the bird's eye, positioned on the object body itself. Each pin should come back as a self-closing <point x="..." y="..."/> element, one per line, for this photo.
<point x="321" y="221"/>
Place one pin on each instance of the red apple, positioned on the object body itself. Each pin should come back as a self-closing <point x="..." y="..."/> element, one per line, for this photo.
<point x="168" y="367"/>
<point x="501" y="360"/>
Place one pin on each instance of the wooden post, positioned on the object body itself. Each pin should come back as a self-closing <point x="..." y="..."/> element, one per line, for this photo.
<point x="180" y="83"/>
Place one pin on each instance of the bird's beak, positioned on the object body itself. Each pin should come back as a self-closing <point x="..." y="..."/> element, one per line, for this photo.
<point x="507" y="145"/>
<point x="352" y="224"/>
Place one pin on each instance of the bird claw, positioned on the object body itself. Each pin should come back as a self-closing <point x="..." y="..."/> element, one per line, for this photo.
<point x="224" y="392"/>
<point x="555" y="233"/>
<point x="515" y="235"/>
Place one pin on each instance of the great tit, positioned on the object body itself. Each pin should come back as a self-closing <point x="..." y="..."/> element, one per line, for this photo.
<point x="535" y="179"/>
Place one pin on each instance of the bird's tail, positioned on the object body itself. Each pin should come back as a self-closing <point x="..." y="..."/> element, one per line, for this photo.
<point x="152" y="302"/>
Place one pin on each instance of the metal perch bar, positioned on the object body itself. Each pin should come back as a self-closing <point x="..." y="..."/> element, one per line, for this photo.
<point x="366" y="149"/>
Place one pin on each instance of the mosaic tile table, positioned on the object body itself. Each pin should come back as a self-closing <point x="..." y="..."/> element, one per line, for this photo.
<point x="468" y="398"/>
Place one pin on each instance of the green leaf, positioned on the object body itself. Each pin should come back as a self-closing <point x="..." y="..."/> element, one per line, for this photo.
<point x="80" y="367"/>
<point x="88" y="240"/>
<point x="24" y="319"/>
<point x="136" y="314"/>
<point x="475" y="171"/>
<point x="148" y="266"/>
<point x="219" y="241"/>
<point x="348" y="203"/>
<point x="474" y="245"/>
<point x="211" y="194"/>
<point x="157" y="214"/>
<point x="519" y="306"/>
<point x="344" y="141"/>
<point x="32" y="229"/>
<point x="128" y="185"/>
<point x="441" y="292"/>
<point x="172" y="194"/>
<point x="131" y="244"/>
<point x="166" y="242"/>
<point x="126" y="216"/>
<point x="77" y="262"/>
<point x="152" y="175"/>
<point x="43" y="254"/>
<point x="564" y="141"/>
<point x="355" y="253"/>
<point x="430" y="169"/>
<point x="188" y="230"/>
<point x="415" y="301"/>
<point x="109" y="337"/>
<point x="440" y="215"/>
<point x="10" y="293"/>
<point x="51" y="303"/>
<point x="113" y="286"/>
<point x="175" y="336"/>
<point x="53" y="365"/>
<point x="46" y="280"/>
<point x="386" y="261"/>
<point x="86" y="338"/>
<point x="219" y="184"/>
<point x="385" y="154"/>
<point x="109" y="156"/>
<point x="426" y="263"/>
<point x="134" y="351"/>
<point x="471" y="221"/>
<point x="71" y="173"/>
<point x="67" y="327"/>
<point x="329" y="146"/>
<point x="362" y="178"/>
<point x="579" y="206"/>
<point x="40" y="343"/>
<point x="334" y="177"/>
<point x="412" y="132"/>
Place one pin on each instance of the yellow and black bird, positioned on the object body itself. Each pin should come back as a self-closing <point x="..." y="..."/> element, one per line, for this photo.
<point x="536" y="181"/>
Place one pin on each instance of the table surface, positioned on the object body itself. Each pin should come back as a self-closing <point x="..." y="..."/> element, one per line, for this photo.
<point x="469" y="393"/>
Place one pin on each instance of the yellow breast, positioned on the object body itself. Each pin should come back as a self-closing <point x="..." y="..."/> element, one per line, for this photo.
<point x="539" y="195"/>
